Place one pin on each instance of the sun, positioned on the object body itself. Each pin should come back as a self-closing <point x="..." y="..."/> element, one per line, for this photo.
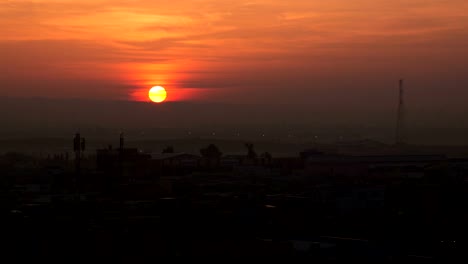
<point x="157" y="94"/>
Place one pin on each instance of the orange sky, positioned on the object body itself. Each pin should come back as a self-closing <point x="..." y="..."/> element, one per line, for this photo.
<point x="230" y="51"/>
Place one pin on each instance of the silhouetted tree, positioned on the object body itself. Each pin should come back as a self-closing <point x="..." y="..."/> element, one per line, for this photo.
<point x="250" y="150"/>
<point x="168" y="149"/>
<point x="267" y="156"/>
<point x="211" y="151"/>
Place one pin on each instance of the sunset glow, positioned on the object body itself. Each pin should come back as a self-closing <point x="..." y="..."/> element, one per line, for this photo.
<point x="326" y="129"/>
<point x="213" y="50"/>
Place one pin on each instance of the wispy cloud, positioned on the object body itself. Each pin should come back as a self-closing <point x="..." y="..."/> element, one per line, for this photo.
<point x="225" y="44"/>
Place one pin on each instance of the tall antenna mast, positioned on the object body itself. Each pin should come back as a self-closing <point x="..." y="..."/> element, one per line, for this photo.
<point x="400" y="129"/>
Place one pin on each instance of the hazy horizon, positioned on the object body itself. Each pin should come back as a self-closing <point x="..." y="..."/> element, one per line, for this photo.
<point x="36" y="117"/>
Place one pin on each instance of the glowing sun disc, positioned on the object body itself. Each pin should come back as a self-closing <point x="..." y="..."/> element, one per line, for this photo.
<point x="157" y="94"/>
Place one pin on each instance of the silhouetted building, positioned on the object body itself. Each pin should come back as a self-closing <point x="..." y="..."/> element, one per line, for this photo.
<point x="126" y="162"/>
<point x="357" y="167"/>
<point x="174" y="163"/>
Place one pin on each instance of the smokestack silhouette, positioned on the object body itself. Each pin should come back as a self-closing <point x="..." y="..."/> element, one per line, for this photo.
<point x="121" y="144"/>
<point x="79" y="146"/>
<point x="77" y="142"/>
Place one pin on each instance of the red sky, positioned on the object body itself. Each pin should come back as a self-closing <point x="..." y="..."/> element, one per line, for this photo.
<point x="260" y="51"/>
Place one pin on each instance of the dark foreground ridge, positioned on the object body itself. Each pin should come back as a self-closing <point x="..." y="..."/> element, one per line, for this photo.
<point x="329" y="207"/>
